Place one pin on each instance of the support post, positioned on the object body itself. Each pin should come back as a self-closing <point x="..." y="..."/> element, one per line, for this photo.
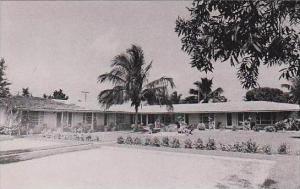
<point x="92" y="126"/>
<point x="147" y="119"/>
<point x="62" y="121"/>
<point x="141" y="119"/>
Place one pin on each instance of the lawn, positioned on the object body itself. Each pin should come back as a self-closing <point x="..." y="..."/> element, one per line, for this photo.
<point x="115" y="167"/>
<point x="124" y="166"/>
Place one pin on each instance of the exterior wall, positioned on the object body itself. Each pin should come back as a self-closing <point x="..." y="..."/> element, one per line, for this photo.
<point x="99" y="119"/>
<point x="194" y="118"/>
<point x="3" y="116"/>
<point x="111" y="119"/>
<point x="50" y="120"/>
<point x="77" y="118"/>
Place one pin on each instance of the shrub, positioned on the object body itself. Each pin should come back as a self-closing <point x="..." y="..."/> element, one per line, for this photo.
<point x="128" y="140"/>
<point x="267" y="149"/>
<point x="137" y="141"/>
<point x="249" y="146"/>
<point x="199" y="144"/>
<point x="175" y="143"/>
<point x="201" y="126"/>
<point x="282" y="149"/>
<point x="147" y="141"/>
<point x="211" y="144"/>
<point x="155" y="142"/>
<point x="237" y="147"/>
<point x="165" y="141"/>
<point x="256" y="128"/>
<point x="234" y="128"/>
<point x="280" y="125"/>
<point x="188" y="143"/>
<point x="225" y="147"/>
<point x="270" y="129"/>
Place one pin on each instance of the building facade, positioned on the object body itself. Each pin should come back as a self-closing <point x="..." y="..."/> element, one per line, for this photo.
<point x="36" y="114"/>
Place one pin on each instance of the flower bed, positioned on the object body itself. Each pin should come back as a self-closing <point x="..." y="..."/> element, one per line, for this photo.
<point x="249" y="146"/>
<point x="70" y="136"/>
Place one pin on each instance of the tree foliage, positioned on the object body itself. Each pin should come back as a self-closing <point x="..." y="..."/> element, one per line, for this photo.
<point x="129" y="77"/>
<point x="247" y="33"/>
<point x="266" y="94"/>
<point x="25" y="92"/>
<point x="4" y="89"/>
<point x="294" y="90"/>
<point x="204" y="92"/>
<point x="57" y="94"/>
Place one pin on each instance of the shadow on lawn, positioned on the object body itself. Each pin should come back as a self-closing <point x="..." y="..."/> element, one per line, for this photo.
<point x="9" y="159"/>
<point x="269" y="184"/>
<point x="297" y="137"/>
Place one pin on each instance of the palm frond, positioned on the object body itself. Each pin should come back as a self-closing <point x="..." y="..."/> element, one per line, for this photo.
<point x="163" y="81"/>
<point x="116" y="95"/>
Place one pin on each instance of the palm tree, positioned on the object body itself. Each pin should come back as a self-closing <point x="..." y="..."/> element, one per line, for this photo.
<point x="129" y="77"/>
<point x="175" y="97"/>
<point x="204" y="92"/>
<point x="294" y="90"/>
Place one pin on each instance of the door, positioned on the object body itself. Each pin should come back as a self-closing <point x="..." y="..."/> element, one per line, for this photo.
<point x="58" y="119"/>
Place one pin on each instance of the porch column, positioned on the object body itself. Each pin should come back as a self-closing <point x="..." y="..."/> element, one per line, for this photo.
<point x="92" y="126"/>
<point x="62" y="121"/>
<point x="115" y="119"/>
<point x="141" y="119"/>
<point x="147" y="119"/>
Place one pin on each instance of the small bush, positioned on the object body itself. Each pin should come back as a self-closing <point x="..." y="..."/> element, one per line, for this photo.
<point x="147" y="141"/>
<point x="249" y="146"/>
<point x="211" y="144"/>
<point x="188" y="143"/>
<point x="175" y="143"/>
<point x="255" y="128"/>
<point x="267" y="149"/>
<point x="270" y="129"/>
<point x="237" y="147"/>
<point x="129" y="140"/>
<point x="234" y="128"/>
<point x="120" y="140"/>
<point x="137" y="141"/>
<point x="155" y="142"/>
<point x="165" y="141"/>
<point x="201" y="126"/>
<point x="282" y="149"/>
<point x="199" y="144"/>
<point x="280" y="125"/>
<point x="226" y="148"/>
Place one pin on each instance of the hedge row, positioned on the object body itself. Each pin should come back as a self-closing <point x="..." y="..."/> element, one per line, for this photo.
<point x="245" y="147"/>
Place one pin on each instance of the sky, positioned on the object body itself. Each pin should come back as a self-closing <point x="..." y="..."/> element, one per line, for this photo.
<point x="68" y="44"/>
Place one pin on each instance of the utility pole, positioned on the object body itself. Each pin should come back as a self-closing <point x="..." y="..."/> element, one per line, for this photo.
<point x="85" y="94"/>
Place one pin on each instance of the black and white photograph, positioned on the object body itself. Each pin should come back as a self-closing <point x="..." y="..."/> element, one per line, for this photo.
<point x="187" y="94"/>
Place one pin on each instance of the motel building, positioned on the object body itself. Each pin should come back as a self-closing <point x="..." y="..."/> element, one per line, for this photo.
<point x="36" y="114"/>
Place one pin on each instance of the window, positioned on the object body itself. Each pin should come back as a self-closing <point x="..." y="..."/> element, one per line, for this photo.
<point x="70" y="119"/>
<point x="120" y="118"/>
<point x="229" y="119"/>
<point x="206" y="118"/>
<point x="105" y="119"/>
<point x="240" y="118"/>
<point x="34" y="118"/>
<point x="151" y="118"/>
<point x="264" y="118"/>
<point x="87" y="118"/>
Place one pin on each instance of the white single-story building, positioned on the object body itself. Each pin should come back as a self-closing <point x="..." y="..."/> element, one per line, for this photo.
<point x="37" y="113"/>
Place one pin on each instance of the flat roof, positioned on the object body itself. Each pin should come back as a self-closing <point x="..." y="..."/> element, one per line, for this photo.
<point x="244" y="106"/>
<point x="40" y="104"/>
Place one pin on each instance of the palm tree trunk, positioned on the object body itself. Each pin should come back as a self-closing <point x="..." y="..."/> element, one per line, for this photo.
<point x="136" y="117"/>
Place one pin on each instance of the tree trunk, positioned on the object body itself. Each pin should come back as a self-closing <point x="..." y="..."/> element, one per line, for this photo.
<point x="136" y="118"/>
